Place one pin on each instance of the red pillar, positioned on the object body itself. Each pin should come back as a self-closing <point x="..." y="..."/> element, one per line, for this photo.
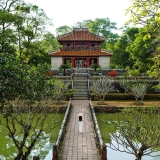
<point x="72" y="62"/>
<point x="88" y="62"/>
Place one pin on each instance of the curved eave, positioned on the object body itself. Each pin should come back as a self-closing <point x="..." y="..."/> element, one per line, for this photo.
<point x="84" y="53"/>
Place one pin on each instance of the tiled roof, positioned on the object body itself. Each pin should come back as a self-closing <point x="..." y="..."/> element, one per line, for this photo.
<point x="80" y="53"/>
<point x="80" y="34"/>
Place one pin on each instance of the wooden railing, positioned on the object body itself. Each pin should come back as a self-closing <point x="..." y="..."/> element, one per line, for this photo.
<point x="100" y="144"/>
<point x="57" y="145"/>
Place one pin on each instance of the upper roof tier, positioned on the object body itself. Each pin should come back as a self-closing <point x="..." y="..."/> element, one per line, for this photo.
<point x="80" y="34"/>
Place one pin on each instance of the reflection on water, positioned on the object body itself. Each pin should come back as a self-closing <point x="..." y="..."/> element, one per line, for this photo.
<point x="43" y="148"/>
<point x="117" y="155"/>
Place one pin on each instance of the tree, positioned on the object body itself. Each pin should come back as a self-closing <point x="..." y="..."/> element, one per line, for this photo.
<point x="155" y="71"/>
<point x="147" y="13"/>
<point x="25" y="89"/>
<point x="124" y="83"/>
<point x="103" y="27"/>
<point x="60" y="90"/>
<point x="64" y="67"/>
<point x="63" y="30"/>
<point x="7" y="18"/>
<point x="137" y="132"/>
<point x="141" y="50"/>
<point x="121" y="56"/>
<point x="30" y="29"/>
<point x="22" y="28"/>
<point x="42" y="48"/>
<point x="27" y="129"/>
<point x="143" y="12"/>
<point x="95" y="66"/>
<point x="102" y="86"/>
<point x="138" y="90"/>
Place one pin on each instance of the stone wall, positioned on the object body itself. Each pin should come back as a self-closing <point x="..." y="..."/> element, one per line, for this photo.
<point x="104" y="62"/>
<point x="56" y="62"/>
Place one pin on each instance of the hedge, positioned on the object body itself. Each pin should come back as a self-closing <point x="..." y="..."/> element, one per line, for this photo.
<point x="128" y="96"/>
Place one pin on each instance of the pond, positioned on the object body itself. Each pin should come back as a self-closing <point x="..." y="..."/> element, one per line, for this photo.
<point x="105" y="128"/>
<point x="43" y="147"/>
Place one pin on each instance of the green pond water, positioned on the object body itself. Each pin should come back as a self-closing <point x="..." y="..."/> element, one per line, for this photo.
<point x="43" y="148"/>
<point x="105" y="125"/>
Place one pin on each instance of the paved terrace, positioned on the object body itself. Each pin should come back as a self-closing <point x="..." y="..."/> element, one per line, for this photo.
<point x="80" y="146"/>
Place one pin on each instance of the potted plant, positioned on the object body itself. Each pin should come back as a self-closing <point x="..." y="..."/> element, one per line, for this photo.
<point x="64" y="67"/>
<point x="60" y="72"/>
<point x="112" y="73"/>
<point x="95" y="67"/>
<point x="100" y="71"/>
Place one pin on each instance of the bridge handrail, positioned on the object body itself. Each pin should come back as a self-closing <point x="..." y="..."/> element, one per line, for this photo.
<point x="56" y="146"/>
<point x="101" y="145"/>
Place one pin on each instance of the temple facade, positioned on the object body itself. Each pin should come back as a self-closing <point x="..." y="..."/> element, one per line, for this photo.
<point x="81" y="48"/>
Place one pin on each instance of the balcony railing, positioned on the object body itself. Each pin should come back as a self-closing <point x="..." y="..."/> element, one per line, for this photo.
<point x="80" y="48"/>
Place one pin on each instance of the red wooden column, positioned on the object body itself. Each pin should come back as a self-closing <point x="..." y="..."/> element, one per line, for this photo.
<point x="88" y="62"/>
<point x="72" y="62"/>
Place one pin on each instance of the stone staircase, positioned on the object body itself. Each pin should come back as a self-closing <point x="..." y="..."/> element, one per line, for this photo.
<point x="80" y="83"/>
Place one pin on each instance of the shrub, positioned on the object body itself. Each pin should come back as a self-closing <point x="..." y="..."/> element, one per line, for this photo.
<point x="134" y="73"/>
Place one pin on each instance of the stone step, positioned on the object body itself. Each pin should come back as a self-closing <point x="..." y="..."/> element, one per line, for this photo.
<point x="80" y="98"/>
<point x="80" y="74"/>
<point x="81" y="94"/>
<point x="81" y="89"/>
<point x="80" y="78"/>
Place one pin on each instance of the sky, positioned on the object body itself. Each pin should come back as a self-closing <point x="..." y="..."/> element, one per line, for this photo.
<point x="69" y="12"/>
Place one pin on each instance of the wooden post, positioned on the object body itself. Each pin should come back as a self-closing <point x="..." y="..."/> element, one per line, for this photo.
<point x="55" y="153"/>
<point x="88" y="62"/>
<point x="36" y="158"/>
<point x="104" y="152"/>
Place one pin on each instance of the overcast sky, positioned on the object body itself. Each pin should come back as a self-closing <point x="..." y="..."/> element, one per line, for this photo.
<point x="68" y="12"/>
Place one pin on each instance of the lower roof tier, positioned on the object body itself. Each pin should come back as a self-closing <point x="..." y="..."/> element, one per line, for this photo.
<point x="80" y="53"/>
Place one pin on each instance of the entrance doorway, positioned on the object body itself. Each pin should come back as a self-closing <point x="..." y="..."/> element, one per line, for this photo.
<point x="80" y="62"/>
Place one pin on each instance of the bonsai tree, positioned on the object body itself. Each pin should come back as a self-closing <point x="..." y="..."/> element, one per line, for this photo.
<point x="124" y="83"/>
<point x="138" y="90"/>
<point x="102" y="86"/>
<point x="60" y="89"/>
<point x="64" y="67"/>
<point x="95" y="66"/>
<point x="137" y="132"/>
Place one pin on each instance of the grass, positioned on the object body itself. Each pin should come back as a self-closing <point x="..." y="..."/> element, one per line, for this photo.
<point x="105" y="125"/>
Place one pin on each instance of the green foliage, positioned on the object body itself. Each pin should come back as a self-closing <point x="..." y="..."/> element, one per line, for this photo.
<point x="121" y="57"/>
<point x="63" y="30"/>
<point x="127" y="96"/>
<point x="64" y="67"/>
<point x="138" y="131"/>
<point x="21" y="80"/>
<point x="22" y="29"/>
<point x="95" y="66"/>
<point x="102" y="86"/>
<point x="102" y="27"/>
<point x="133" y="72"/>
